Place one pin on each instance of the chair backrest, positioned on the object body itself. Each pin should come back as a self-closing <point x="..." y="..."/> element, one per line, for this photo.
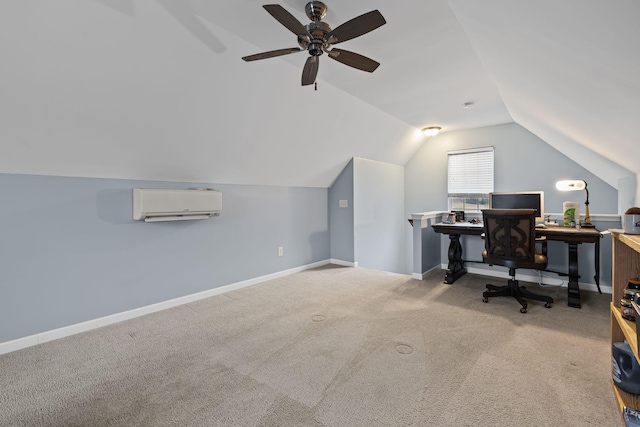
<point x="510" y="238"/>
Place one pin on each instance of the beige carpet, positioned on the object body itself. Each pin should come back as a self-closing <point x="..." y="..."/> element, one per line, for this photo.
<point x="332" y="346"/>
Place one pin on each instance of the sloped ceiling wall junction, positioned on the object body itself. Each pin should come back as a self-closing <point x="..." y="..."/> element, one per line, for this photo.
<point x="130" y="92"/>
<point x="156" y="89"/>
<point x="568" y="72"/>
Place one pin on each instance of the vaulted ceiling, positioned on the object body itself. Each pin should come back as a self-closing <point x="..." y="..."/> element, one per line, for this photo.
<point x="156" y="89"/>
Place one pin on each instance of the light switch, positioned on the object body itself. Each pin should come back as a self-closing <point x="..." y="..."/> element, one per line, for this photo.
<point x="343" y="203"/>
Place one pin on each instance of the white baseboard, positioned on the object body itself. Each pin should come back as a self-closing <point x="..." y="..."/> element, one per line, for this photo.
<point x="343" y="263"/>
<point x="419" y="276"/>
<point x="528" y="277"/>
<point x="20" y="343"/>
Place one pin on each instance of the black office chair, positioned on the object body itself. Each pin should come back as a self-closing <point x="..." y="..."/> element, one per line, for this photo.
<point x="510" y="241"/>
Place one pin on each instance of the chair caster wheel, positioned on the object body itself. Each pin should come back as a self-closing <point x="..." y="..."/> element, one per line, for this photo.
<point x="547" y="305"/>
<point x="485" y="300"/>
<point x="523" y="310"/>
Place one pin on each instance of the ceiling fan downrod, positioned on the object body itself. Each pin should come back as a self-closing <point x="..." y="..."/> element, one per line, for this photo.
<point x="315" y="10"/>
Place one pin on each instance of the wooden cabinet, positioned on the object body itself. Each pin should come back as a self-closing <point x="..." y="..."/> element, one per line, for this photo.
<point x="625" y="266"/>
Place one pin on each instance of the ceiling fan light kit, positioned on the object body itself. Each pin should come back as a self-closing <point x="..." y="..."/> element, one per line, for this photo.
<point x="317" y="37"/>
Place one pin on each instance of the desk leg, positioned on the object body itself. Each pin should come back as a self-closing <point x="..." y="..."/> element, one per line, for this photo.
<point x="597" y="261"/>
<point x="574" y="290"/>
<point x="456" y="265"/>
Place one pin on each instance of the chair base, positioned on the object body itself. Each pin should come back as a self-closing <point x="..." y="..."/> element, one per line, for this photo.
<point x="517" y="292"/>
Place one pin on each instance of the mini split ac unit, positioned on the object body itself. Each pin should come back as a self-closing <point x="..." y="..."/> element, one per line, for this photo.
<point x="153" y="205"/>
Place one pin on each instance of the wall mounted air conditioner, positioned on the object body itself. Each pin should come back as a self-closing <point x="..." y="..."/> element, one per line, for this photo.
<point x="153" y="205"/>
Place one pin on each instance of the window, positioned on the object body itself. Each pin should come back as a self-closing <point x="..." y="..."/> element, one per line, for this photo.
<point x="470" y="180"/>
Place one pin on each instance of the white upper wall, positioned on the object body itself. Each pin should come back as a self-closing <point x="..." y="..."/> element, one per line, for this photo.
<point x="96" y="91"/>
<point x="157" y="89"/>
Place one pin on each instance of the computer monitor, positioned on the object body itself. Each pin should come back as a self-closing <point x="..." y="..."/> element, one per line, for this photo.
<point x="519" y="200"/>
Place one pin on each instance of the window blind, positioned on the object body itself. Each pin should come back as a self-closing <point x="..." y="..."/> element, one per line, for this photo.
<point x="470" y="171"/>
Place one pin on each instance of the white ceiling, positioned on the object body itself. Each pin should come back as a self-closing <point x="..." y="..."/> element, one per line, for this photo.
<point x="156" y="89"/>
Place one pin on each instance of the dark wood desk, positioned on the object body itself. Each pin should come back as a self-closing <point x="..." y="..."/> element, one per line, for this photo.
<point x="456" y="267"/>
<point x="572" y="236"/>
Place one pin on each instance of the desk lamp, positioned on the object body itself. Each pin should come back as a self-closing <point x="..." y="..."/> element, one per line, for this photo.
<point x="574" y="185"/>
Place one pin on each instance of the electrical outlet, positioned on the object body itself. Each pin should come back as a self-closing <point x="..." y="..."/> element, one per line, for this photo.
<point x="280" y="251"/>
<point x="343" y="203"/>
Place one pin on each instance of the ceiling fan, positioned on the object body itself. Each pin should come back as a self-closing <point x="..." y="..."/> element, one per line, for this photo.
<point x="317" y="37"/>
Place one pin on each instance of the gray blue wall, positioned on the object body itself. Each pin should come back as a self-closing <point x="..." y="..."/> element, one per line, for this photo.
<point x="379" y="220"/>
<point x="425" y="246"/>
<point x="522" y="162"/>
<point x="70" y="251"/>
<point x="341" y="219"/>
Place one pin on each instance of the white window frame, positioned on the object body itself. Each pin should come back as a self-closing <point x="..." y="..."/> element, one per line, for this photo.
<point x="470" y="177"/>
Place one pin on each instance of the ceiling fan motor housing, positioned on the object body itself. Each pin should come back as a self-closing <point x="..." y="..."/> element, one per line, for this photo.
<point x="318" y="43"/>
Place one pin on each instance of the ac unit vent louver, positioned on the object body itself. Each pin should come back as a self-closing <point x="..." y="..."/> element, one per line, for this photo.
<point x="153" y="205"/>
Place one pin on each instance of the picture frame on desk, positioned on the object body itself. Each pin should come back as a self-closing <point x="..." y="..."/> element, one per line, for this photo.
<point x="459" y="215"/>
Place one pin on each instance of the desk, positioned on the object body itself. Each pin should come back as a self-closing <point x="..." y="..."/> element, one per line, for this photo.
<point x="572" y="236"/>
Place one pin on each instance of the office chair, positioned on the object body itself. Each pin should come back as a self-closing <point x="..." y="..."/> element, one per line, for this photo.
<point x="510" y="241"/>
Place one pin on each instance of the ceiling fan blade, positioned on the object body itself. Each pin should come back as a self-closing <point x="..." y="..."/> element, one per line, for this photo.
<point x="356" y="27"/>
<point x="354" y="60"/>
<point x="310" y="70"/>
<point x="287" y="19"/>
<point x="271" y="54"/>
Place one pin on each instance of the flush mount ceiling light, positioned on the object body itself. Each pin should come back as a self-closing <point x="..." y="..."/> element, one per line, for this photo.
<point x="431" y="130"/>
